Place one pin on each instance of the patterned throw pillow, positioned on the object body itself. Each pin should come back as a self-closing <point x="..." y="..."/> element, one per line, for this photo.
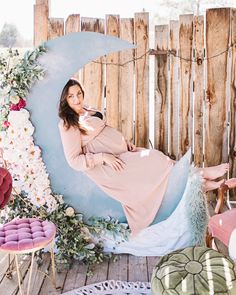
<point x="5" y="186"/>
<point x="194" y="271"/>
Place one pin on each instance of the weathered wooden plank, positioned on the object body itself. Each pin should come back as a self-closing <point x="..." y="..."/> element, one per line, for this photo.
<point x="126" y="81"/>
<point x="9" y="287"/>
<point x="185" y="43"/>
<point x="76" y="277"/>
<point x="112" y="74"/>
<point x="232" y="142"/>
<point x="137" y="269"/>
<point x="93" y="72"/>
<point x="44" y="2"/>
<point x="198" y="40"/>
<point x="99" y="273"/>
<point x="151" y="263"/>
<point x="4" y="262"/>
<point x="55" y="28"/>
<point x="48" y="287"/>
<point x="161" y="90"/>
<point x="141" y="33"/>
<point x="38" y="276"/>
<point x="40" y="24"/>
<point x="118" y="270"/>
<point x="217" y="40"/>
<point x="72" y="24"/>
<point x="174" y="90"/>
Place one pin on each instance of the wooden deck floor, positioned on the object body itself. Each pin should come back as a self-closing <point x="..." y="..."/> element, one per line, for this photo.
<point x="126" y="268"/>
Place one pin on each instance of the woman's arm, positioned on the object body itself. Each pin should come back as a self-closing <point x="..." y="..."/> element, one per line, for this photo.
<point x="71" y="141"/>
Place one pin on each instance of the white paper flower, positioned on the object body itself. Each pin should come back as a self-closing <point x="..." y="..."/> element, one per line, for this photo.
<point x="14" y="99"/>
<point x="70" y="212"/>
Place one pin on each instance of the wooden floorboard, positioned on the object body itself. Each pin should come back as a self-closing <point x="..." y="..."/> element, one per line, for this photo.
<point x="47" y="286"/>
<point x="76" y="277"/>
<point x="151" y="263"/>
<point x="99" y="273"/>
<point x="38" y="275"/>
<point x="137" y="269"/>
<point x="10" y="286"/>
<point x="118" y="270"/>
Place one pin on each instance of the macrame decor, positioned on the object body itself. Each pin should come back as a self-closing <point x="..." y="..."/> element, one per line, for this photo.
<point x="112" y="287"/>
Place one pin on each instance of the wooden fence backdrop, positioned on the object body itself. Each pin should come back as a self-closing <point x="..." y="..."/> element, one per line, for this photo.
<point x="194" y="77"/>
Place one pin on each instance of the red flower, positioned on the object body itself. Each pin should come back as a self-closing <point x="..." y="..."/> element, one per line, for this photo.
<point x="22" y="103"/>
<point x="16" y="107"/>
<point x="6" y="124"/>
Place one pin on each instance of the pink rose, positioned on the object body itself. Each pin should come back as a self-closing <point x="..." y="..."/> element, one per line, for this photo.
<point x="6" y="124"/>
<point x="14" y="107"/>
<point x="22" y="103"/>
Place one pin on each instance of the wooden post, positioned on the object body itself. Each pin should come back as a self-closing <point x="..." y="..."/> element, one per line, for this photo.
<point x="72" y="24"/>
<point x="217" y="41"/>
<point x="112" y="74"/>
<point x="174" y="90"/>
<point x="41" y="14"/>
<point x="56" y="28"/>
<point x="198" y="40"/>
<point x="43" y="2"/>
<point x="141" y="29"/>
<point x="126" y="81"/>
<point x="232" y="142"/>
<point x="93" y="72"/>
<point x="161" y="90"/>
<point x="185" y="43"/>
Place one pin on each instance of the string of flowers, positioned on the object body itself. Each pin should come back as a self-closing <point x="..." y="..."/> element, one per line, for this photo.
<point x="32" y="193"/>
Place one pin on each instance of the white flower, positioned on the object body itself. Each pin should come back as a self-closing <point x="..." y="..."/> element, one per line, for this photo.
<point x="70" y="212"/>
<point x="18" y="118"/>
<point x="14" y="99"/>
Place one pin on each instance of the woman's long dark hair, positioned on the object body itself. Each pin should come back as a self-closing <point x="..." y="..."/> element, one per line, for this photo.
<point x="69" y="116"/>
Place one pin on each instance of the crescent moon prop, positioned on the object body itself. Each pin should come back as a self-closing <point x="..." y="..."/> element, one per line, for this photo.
<point x="65" y="56"/>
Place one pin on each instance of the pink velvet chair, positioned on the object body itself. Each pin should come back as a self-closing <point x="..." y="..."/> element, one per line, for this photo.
<point x="221" y="225"/>
<point x="25" y="235"/>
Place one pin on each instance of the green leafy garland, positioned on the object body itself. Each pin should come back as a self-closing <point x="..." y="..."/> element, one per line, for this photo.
<point x="76" y="239"/>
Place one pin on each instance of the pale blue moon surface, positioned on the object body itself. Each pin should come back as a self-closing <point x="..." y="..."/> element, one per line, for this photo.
<point x="64" y="57"/>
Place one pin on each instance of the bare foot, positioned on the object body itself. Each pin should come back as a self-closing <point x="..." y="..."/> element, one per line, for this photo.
<point x="214" y="171"/>
<point x="211" y="185"/>
<point x="231" y="182"/>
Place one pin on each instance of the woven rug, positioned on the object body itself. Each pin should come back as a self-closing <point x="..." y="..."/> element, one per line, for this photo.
<point x="113" y="287"/>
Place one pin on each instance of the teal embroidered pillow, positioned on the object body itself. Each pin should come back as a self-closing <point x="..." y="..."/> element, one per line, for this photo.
<point x="194" y="271"/>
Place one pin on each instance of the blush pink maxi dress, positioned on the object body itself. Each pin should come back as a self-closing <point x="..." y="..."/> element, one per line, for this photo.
<point x="139" y="187"/>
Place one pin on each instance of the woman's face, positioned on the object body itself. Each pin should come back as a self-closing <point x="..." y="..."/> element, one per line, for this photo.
<point x="75" y="99"/>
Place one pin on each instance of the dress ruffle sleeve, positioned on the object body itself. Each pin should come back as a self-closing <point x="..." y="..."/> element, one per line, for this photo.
<point x="71" y="141"/>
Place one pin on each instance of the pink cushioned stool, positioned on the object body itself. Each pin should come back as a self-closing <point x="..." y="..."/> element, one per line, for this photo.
<point x="22" y="236"/>
<point x="222" y="225"/>
<point x="27" y="234"/>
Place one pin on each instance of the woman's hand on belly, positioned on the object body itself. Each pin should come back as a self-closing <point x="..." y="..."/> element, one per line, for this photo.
<point x="114" y="162"/>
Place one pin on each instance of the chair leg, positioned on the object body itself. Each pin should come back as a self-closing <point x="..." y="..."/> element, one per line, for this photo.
<point x="30" y="274"/>
<point x="53" y="265"/>
<point x="18" y="274"/>
<point x="10" y="267"/>
<point x="209" y="239"/>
